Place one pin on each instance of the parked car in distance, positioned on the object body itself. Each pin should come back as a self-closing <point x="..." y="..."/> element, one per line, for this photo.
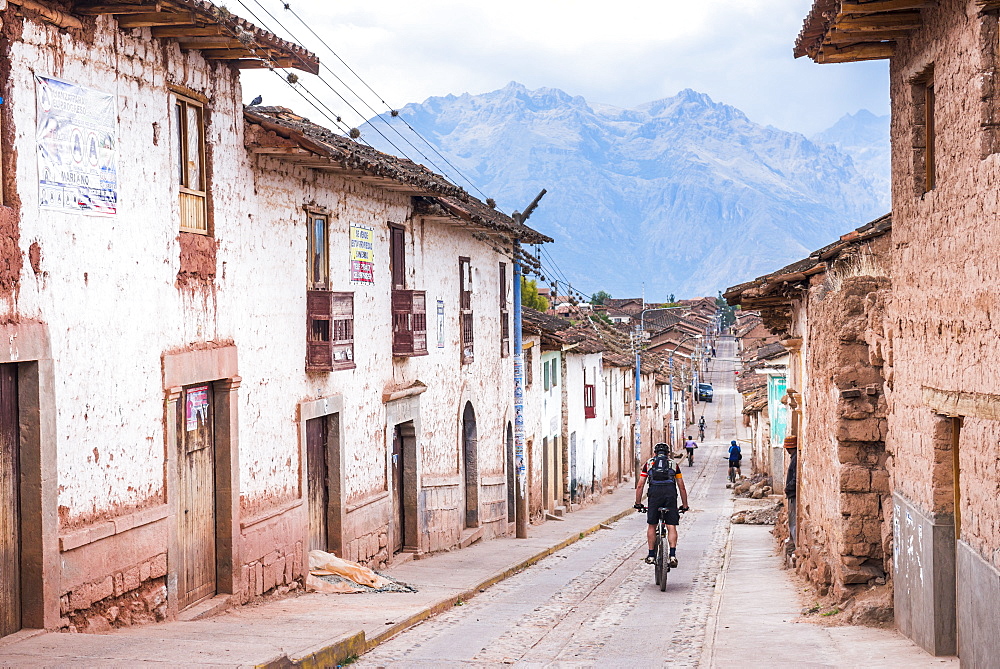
<point x="705" y="392"/>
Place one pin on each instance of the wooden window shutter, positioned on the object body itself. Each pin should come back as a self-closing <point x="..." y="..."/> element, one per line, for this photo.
<point x="465" y="312"/>
<point x="318" y="335"/>
<point x="528" y="368"/>
<point x="504" y="314"/>
<point x="342" y="330"/>
<point x="409" y="323"/>
<point x="419" y="322"/>
<point x="397" y="256"/>
<point x="589" y="401"/>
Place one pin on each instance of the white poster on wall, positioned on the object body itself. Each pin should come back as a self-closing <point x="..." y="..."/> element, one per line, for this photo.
<point x="77" y="139"/>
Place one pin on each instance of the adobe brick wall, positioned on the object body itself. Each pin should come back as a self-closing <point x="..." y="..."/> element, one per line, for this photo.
<point x="946" y="267"/>
<point x="844" y="508"/>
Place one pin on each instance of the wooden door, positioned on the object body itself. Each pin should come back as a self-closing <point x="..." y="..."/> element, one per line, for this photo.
<point x="10" y="515"/>
<point x="196" y="501"/>
<point x="399" y="508"/>
<point x="318" y="483"/>
<point x="546" y="469"/>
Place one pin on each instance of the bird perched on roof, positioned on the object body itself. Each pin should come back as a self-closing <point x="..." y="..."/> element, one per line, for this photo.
<point x="256" y="101"/>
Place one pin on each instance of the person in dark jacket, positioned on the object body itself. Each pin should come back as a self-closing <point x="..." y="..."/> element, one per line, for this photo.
<point x="791" y="484"/>
<point x="735" y="455"/>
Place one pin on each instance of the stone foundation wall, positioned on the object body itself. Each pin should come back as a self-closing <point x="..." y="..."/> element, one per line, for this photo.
<point x="132" y="596"/>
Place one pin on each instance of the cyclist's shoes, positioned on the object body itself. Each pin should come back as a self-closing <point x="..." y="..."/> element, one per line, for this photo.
<point x="673" y="562"/>
<point x="650" y="559"/>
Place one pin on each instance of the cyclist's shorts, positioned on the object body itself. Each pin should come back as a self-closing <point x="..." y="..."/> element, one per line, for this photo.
<point x="734" y="463"/>
<point x="666" y="499"/>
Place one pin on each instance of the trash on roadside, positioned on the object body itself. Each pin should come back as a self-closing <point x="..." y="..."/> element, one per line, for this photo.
<point x="329" y="574"/>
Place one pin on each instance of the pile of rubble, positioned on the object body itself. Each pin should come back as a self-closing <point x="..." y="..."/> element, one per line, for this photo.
<point x="757" y="486"/>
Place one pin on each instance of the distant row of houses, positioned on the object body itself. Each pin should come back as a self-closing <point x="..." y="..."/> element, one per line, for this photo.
<point x="233" y="336"/>
<point x="887" y="380"/>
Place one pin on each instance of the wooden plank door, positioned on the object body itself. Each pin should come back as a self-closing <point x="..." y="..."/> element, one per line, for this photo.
<point x="196" y="536"/>
<point x="319" y="483"/>
<point x="10" y="515"/>
<point x="399" y="508"/>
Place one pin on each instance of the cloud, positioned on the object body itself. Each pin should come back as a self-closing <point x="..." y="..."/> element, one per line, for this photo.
<point x="624" y="54"/>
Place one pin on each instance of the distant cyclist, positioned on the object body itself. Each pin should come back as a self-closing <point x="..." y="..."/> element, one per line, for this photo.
<point x="735" y="455"/>
<point x="701" y="428"/>
<point x="689" y="446"/>
<point x="664" y="483"/>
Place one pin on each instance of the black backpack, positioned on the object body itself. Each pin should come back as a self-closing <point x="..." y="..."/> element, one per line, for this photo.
<point x="661" y="471"/>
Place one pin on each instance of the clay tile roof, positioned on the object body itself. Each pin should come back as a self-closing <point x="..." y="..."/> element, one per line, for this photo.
<point x="440" y="196"/>
<point x="769" y="351"/>
<point x="204" y="26"/>
<point x="550" y="327"/>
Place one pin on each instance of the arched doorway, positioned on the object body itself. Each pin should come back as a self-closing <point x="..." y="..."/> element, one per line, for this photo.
<point x="470" y="456"/>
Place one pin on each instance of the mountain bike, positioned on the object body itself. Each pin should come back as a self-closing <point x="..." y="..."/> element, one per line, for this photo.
<point x="661" y="564"/>
<point x="690" y="454"/>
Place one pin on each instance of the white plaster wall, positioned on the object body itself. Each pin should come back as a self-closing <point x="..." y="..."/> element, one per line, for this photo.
<point x="106" y="286"/>
<point x="432" y="251"/>
<point x="551" y="399"/>
<point x="591" y="448"/>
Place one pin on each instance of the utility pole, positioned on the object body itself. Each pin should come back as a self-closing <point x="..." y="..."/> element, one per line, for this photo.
<point x="521" y="513"/>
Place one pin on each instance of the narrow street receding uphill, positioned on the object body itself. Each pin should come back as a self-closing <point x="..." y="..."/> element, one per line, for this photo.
<point x="595" y="602"/>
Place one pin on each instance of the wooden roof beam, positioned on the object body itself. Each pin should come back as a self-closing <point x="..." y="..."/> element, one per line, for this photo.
<point x="877" y="22"/>
<point x="856" y="52"/>
<point x="876" y="6"/>
<point x="148" y="20"/>
<point x="95" y="10"/>
<point x="846" y="37"/>
<point x="188" y="31"/>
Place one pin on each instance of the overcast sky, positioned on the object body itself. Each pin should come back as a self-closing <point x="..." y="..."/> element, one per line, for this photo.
<point x="624" y="54"/>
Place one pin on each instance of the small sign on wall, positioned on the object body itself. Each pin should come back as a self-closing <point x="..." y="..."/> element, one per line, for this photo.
<point x="197" y="408"/>
<point x="440" y="323"/>
<point x="362" y="254"/>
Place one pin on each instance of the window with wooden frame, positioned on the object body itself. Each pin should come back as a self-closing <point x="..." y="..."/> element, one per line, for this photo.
<point x="546" y="377"/>
<point x="465" y="316"/>
<point x="924" y="132"/>
<point x="989" y="82"/>
<point x="409" y="323"/>
<point x="589" y="401"/>
<point x="529" y="371"/>
<point x="397" y="255"/>
<point x="330" y="334"/>
<point x="189" y="135"/>
<point x="629" y="395"/>
<point x="504" y="314"/>
<point x="317" y="249"/>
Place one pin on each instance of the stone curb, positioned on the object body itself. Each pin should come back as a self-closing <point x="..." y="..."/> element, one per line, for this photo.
<point x="712" y="623"/>
<point x="356" y="643"/>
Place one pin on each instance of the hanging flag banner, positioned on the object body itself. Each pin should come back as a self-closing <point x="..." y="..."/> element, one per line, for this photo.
<point x="362" y="254"/>
<point x="77" y="139"/>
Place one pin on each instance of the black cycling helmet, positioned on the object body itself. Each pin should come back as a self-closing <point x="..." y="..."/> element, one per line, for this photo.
<point x="661" y="448"/>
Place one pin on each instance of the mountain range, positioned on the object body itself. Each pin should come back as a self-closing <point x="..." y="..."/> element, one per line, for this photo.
<point x="683" y="196"/>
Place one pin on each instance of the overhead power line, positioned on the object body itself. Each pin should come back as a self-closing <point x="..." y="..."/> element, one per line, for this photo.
<point x="393" y="112"/>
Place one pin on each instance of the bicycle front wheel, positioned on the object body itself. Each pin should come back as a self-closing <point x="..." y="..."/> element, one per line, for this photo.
<point x="663" y="566"/>
<point x="659" y="561"/>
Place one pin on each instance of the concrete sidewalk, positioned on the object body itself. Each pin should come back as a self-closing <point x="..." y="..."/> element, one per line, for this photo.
<point x="756" y="619"/>
<point x="314" y="629"/>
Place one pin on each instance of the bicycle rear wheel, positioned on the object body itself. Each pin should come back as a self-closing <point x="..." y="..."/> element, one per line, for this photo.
<point x="663" y="566"/>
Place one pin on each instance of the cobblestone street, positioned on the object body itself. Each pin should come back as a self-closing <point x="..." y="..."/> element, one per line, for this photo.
<point x="595" y="603"/>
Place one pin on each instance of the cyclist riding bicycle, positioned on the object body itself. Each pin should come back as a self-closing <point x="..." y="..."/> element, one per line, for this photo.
<point x="701" y="428"/>
<point x="665" y="481"/>
<point x="689" y="446"/>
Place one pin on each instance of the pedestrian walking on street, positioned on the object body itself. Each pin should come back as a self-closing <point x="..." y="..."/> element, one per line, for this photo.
<point x="735" y="455"/>
<point x="665" y="481"/>
<point x="791" y="486"/>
